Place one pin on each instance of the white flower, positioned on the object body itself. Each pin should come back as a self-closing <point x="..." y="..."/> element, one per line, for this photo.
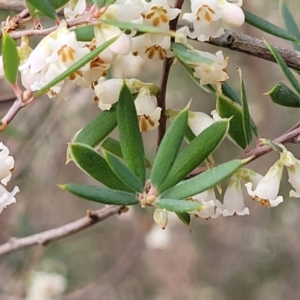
<point x="233" y="198"/>
<point x="2" y="74"/>
<point x="212" y="73"/>
<point x="158" y="238"/>
<point x="209" y="16"/>
<point x="6" y="164"/>
<point x="147" y="111"/>
<point x="7" y="197"/>
<point x="160" y="217"/>
<point x="267" y="189"/>
<point x="46" y="286"/>
<point x="212" y="208"/>
<point x="198" y="121"/>
<point x="71" y="14"/>
<point x="293" y="168"/>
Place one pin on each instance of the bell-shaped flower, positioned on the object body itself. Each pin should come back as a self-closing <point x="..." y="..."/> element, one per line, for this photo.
<point x="160" y="217"/>
<point x="7" y="163"/>
<point x="211" y="209"/>
<point x="266" y="191"/>
<point x="147" y="110"/>
<point x="233" y="203"/>
<point x="293" y="167"/>
<point x="198" y="121"/>
<point x="7" y="197"/>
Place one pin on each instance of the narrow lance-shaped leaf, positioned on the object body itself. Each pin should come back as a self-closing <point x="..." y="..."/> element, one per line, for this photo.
<point x="10" y="58"/>
<point x="289" y="23"/>
<point x="177" y="205"/>
<point x="101" y="195"/>
<point x="92" y="163"/>
<point x="185" y="218"/>
<point x="45" y="7"/>
<point x="203" y="181"/>
<point x="168" y="149"/>
<point x="98" y="129"/>
<point x="58" y="3"/>
<point x="76" y="66"/>
<point x="287" y="72"/>
<point x="123" y="173"/>
<point x="130" y="136"/>
<point x="196" y="152"/>
<point x="227" y="108"/>
<point x="245" y="111"/>
<point x="282" y="95"/>
<point x="268" y="27"/>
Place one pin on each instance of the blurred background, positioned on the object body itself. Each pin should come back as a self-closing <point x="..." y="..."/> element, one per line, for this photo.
<point x="127" y="256"/>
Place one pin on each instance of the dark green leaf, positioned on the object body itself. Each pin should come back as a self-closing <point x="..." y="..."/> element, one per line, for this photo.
<point x="130" y="136"/>
<point x="92" y="163"/>
<point x="203" y="181"/>
<point x="168" y="149"/>
<point x="282" y="95"/>
<point x="290" y="23"/>
<point x="226" y="109"/>
<point x="123" y="173"/>
<point x="287" y="72"/>
<point x="268" y="27"/>
<point x="102" y="195"/>
<point x="85" y="33"/>
<point x="76" y="66"/>
<point x="45" y="7"/>
<point x="10" y="58"/>
<point x="58" y="3"/>
<point x="195" y="153"/>
<point x="98" y="129"/>
<point x="177" y="205"/>
<point x="189" y="135"/>
<point x="185" y="218"/>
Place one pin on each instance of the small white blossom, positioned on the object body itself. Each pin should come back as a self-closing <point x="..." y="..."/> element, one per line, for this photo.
<point x="233" y="198"/>
<point x="160" y="217"/>
<point x="198" y="121"/>
<point x="2" y="74"/>
<point x="7" y="163"/>
<point x="267" y="189"/>
<point x="158" y="238"/>
<point x="79" y="9"/>
<point x="147" y="110"/>
<point x="7" y="197"/>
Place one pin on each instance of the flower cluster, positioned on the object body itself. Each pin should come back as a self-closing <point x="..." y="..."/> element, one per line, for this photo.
<point x="6" y="166"/>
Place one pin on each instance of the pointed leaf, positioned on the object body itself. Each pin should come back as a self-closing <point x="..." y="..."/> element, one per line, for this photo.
<point x="282" y="95"/>
<point x="76" y="66"/>
<point x="177" y="205"/>
<point x="130" y="136"/>
<point x="268" y="27"/>
<point x="289" y="23"/>
<point x="195" y="153"/>
<point x="203" y="181"/>
<point x="85" y="33"/>
<point x="57" y="4"/>
<point x="168" y="149"/>
<point x="185" y="218"/>
<point x="227" y="108"/>
<point x="98" y="129"/>
<point x="10" y="58"/>
<point x="287" y="72"/>
<point x="92" y="163"/>
<point x="45" y="7"/>
<point x="102" y="195"/>
<point x="123" y="173"/>
<point x="245" y="111"/>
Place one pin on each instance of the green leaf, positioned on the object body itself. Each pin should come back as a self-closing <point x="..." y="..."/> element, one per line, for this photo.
<point x="45" y="7"/>
<point x="123" y="173"/>
<point x="92" y="163"/>
<point x="185" y="218"/>
<point x="227" y="108"/>
<point x="282" y="95"/>
<point x="102" y="3"/>
<point x="168" y="149"/>
<point x="245" y="111"/>
<point x="139" y="27"/>
<point x="10" y="58"/>
<point x="195" y="153"/>
<point x="187" y="56"/>
<point x="76" y="66"/>
<point x="177" y="205"/>
<point x="268" y="27"/>
<point x="58" y="3"/>
<point x="98" y="129"/>
<point x="102" y="195"/>
<point x="287" y="72"/>
<point x="130" y="136"/>
<point x="189" y="134"/>
<point x="84" y="33"/>
<point x="289" y="23"/>
<point x="203" y="181"/>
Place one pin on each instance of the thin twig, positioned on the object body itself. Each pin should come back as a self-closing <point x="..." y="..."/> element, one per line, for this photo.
<point x="58" y="233"/>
